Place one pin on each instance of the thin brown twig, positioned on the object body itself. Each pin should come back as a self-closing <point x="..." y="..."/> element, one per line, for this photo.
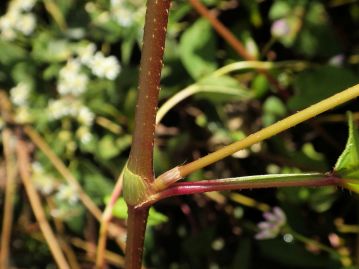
<point x="59" y="226"/>
<point x="222" y="30"/>
<point x="110" y="256"/>
<point x="115" y="231"/>
<point x="63" y="170"/>
<point x="10" y="190"/>
<point x="106" y="218"/>
<point x="35" y="202"/>
<point x="233" y="41"/>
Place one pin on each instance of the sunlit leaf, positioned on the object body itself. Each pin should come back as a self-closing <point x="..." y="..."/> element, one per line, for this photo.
<point x="347" y="165"/>
<point x="154" y="217"/>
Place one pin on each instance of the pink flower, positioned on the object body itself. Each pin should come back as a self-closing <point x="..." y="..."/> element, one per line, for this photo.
<point x="273" y="224"/>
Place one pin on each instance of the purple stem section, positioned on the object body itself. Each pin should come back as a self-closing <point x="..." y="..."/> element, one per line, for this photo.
<point x="186" y="188"/>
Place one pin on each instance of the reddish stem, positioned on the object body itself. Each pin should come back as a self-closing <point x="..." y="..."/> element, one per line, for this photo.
<point x="186" y="188"/>
<point x="136" y="227"/>
<point x="141" y="156"/>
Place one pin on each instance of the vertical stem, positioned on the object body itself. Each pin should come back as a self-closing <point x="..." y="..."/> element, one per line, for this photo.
<point x="140" y="163"/>
<point x="141" y="156"/>
<point x="9" y="153"/>
<point x="136" y="227"/>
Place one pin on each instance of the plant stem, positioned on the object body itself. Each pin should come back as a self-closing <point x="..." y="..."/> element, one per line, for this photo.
<point x="232" y="41"/>
<point x="241" y="183"/>
<point x="10" y="190"/>
<point x="105" y="220"/>
<point x="136" y="227"/>
<point x="141" y="156"/>
<point x="63" y="170"/>
<point x="272" y="130"/>
<point x="24" y="167"/>
<point x="139" y="171"/>
<point x="199" y="87"/>
<point x="222" y="30"/>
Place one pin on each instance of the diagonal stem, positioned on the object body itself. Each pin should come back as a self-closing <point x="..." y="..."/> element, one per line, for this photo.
<point x="272" y="130"/>
<point x="24" y="167"/>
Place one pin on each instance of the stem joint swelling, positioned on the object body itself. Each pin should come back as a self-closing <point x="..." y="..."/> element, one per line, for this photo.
<point x="135" y="188"/>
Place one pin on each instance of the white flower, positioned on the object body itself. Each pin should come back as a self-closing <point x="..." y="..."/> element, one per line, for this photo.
<point x="19" y="95"/>
<point x="22" y="115"/>
<point x="60" y="108"/>
<point x="67" y="193"/>
<point x="85" y="116"/>
<point x="18" y="19"/>
<point x="71" y="81"/>
<point x="26" y="23"/>
<point x="43" y="182"/>
<point x="86" y="53"/>
<point x="273" y="224"/>
<point x="105" y="67"/>
<point x="123" y="17"/>
<point x="22" y="5"/>
<point x="84" y="134"/>
<point x="7" y="24"/>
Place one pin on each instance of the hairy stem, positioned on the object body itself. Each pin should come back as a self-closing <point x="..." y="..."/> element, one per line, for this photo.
<point x="241" y="183"/>
<point x="139" y="171"/>
<point x="272" y="130"/>
<point x="141" y="156"/>
<point x="136" y="227"/>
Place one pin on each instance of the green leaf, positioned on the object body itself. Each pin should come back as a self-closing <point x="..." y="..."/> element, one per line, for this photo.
<point x="197" y="48"/>
<point x="120" y="211"/>
<point x="10" y="52"/>
<point x="312" y="86"/>
<point x="347" y="165"/>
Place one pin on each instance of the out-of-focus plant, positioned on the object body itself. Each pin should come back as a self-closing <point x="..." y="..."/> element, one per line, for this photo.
<point x="69" y="70"/>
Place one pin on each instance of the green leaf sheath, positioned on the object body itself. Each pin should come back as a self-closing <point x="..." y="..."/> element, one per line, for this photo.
<point x="347" y="165"/>
<point x="135" y="189"/>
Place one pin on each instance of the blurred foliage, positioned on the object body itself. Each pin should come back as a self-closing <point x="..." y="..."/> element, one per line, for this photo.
<point x="70" y="69"/>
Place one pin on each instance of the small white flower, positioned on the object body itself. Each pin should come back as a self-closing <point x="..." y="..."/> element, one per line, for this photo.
<point x="22" y="115"/>
<point x="84" y="134"/>
<point x="271" y="227"/>
<point x="85" y="116"/>
<point x="67" y="193"/>
<point x="27" y="5"/>
<point x="19" y="95"/>
<point x="123" y="17"/>
<point x="7" y="24"/>
<point x="26" y="23"/>
<point x="60" y="108"/>
<point x="105" y="67"/>
<point x="42" y="181"/>
<point x="86" y="53"/>
<point x="71" y="81"/>
<point x="22" y="5"/>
